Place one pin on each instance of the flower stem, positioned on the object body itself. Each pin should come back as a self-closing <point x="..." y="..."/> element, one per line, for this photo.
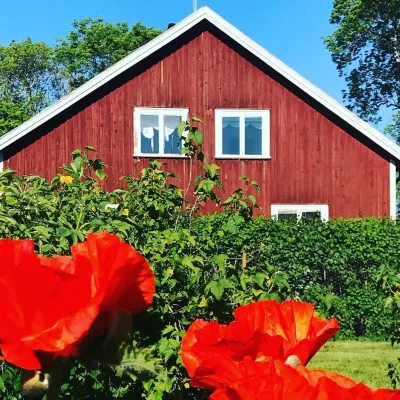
<point x="54" y="391"/>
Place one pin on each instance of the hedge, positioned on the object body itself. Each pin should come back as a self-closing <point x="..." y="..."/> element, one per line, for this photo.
<point x="337" y="265"/>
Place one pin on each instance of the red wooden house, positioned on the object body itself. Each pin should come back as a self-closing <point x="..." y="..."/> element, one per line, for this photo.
<point x="310" y="155"/>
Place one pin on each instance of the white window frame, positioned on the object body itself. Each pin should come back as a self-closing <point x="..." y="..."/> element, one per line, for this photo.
<point x="242" y="114"/>
<point x="1" y="162"/>
<point x="160" y="112"/>
<point x="300" y="208"/>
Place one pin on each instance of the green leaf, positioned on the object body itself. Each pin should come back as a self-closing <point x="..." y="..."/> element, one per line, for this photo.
<point x="46" y="248"/>
<point x="76" y="165"/>
<point x="62" y="231"/>
<point x="206" y="185"/>
<point x="329" y="299"/>
<point x="43" y="230"/>
<point x="271" y="296"/>
<point x="101" y="174"/>
<point x="253" y="199"/>
<point x="228" y="200"/>
<point x="217" y="287"/>
<point x="142" y="362"/>
<point x="212" y="169"/>
<point x="219" y="259"/>
<point x="198" y="137"/>
<point x="201" y="156"/>
<point x="255" y="185"/>
<point x="259" y="279"/>
<point x="203" y="303"/>
<point x="181" y="128"/>
<point x="217" y="291"/>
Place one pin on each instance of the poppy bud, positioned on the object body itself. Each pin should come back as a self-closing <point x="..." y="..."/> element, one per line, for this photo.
<point x="34" y="384"/>
<point x="293" y="361"/>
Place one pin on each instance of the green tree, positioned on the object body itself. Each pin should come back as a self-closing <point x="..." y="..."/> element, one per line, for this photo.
<point x="392" y="129"/>
<point x="29" y="81"/>
<point x="94" y="45"/>
<point x="366" y="49"/>
<point x="11" y="115"/>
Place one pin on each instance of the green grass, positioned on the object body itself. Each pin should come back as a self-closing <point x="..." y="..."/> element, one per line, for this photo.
<point x="362" y="361"/>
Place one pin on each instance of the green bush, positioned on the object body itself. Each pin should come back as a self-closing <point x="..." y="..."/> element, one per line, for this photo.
<point x="205" y="266"/>
<point x="336" y="265"/>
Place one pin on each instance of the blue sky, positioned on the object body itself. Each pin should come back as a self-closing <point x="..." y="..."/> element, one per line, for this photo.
<point x="292" y="30"/>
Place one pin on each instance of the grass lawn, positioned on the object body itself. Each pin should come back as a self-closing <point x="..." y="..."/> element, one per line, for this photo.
<point x="361" y="361"/>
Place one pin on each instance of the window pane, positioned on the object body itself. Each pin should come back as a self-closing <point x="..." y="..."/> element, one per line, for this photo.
<point x="230" y="135"/>
<point x="253" y="137"/>
<point x="311" y="215"/>
<point x="172" y="142"/>
<point x="288" y="215"/>
<point x="149" y="134"/>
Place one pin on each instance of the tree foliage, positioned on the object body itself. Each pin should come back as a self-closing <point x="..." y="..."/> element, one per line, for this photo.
<point x="366" y="49"/>
<point x="94" y="45"/>
<point x="11" y="115"/>
<point x="29" y="81"/>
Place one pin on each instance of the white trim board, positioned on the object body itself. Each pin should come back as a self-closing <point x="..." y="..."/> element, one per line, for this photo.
<point x="393" y="189"/>
<point x="168" y="36"/>
<point x="1" y="162"/>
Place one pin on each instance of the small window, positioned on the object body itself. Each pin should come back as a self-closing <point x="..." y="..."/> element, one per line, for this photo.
<point x="242" y="134"/>
<point x="156" y="131"/>
<point x="295" y="212"/>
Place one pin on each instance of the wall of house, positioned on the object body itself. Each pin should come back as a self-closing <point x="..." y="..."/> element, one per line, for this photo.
<point x="312" y="159"/>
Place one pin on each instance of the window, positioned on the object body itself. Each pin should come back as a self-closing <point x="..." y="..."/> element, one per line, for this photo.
<point x="242" y="134"/>
<point x="295" y="212"/>
<point x="156" y="131"/>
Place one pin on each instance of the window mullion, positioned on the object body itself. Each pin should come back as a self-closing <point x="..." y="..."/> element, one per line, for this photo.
<point x="242" y="130"/>
<point x="161" y="134"/>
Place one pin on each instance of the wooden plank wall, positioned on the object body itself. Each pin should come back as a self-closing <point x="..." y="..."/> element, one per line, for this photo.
<point x="312" y="159"/>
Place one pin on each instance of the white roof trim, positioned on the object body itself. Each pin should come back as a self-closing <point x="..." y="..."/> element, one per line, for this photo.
<point x="169" y="35"/>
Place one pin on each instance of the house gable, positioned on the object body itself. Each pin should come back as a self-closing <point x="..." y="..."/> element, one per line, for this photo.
<point x="313" y="159"/>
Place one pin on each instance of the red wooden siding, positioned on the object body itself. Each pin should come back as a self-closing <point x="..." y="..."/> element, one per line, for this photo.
<point x="312" y="159"/>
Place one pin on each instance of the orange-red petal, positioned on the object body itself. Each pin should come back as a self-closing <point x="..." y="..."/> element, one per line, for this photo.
<point x="303" y="333"/>
<point x="261" y="329"/>
<point x="49" y="305"/>
<point x="270" y="379"/>
<point x="21" y="355"/>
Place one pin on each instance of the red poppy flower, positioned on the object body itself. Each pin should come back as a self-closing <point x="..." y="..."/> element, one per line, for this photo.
<point x="288" y="332"/>
<point x="270" y="379"/>
<point x="50" y="305"/>
<point x="303" y="333"/>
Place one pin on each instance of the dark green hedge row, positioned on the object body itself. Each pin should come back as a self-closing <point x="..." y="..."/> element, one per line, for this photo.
<point x="344" y="258"/>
